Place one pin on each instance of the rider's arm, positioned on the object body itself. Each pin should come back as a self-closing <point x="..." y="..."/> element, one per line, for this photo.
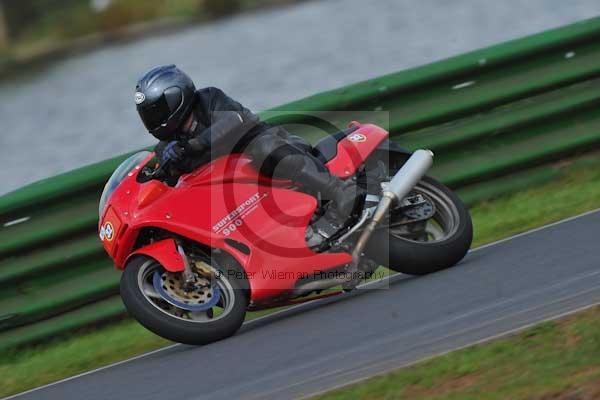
<point x="229" y="122"/>
<point x="174" y="168"/>
<point x="159" y="148"/>
<point x="223" y="125"/>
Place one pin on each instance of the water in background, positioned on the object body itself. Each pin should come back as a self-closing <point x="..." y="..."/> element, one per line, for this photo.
<point x="81" y="110"/>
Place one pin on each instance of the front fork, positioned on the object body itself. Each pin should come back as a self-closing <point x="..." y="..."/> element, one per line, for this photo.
<point x="189" y="277"/>
<point x="190" y="274"/>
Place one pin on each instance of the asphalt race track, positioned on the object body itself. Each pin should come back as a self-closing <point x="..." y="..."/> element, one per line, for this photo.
<point x="315" y="347"/>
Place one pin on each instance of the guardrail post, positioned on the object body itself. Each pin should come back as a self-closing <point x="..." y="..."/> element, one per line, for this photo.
<point x="3" y="29"/>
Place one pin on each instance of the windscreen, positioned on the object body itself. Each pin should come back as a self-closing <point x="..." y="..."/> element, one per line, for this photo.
<point x="117" y="177"/>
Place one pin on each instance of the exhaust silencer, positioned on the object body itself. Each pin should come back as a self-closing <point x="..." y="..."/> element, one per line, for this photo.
<point x="402" y="183"/>
<point x="410" y="174"/>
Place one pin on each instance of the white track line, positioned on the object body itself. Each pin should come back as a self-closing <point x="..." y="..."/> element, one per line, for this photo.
<point x="442" y="353"/>
<point x="541" y="228"/>
<point x="304" y="304"/>
<point x="391" y="340"/>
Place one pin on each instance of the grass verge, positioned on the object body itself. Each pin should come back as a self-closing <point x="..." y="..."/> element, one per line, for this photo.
<point x="556" y="360"/>
<point x="576" y="190"/>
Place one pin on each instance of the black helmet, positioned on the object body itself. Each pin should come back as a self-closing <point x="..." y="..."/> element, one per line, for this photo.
<point x="164" y="99"/>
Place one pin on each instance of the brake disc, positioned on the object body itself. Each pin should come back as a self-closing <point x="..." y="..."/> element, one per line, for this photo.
<point x="418" y="208"/>
<point x="170" y="287"/>
<point x="414" y="209"/>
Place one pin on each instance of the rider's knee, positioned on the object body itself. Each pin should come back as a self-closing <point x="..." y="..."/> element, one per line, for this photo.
<point x="271" y="152"/>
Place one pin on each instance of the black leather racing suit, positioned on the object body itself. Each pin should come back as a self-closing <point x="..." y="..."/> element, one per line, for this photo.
<point x="225" y="126"/>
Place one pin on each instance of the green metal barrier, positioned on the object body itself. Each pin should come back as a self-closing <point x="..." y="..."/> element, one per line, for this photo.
<point x="497" y="119"/>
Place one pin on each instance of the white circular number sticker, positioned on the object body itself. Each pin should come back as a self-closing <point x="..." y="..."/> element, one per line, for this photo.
<point x="107" y="232"/>
<point x="357" y="137"/>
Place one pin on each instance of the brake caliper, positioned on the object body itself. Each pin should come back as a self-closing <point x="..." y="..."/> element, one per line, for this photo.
<point x="417" y="208"/>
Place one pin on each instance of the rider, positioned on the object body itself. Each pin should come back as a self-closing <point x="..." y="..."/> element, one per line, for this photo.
<point x="194" y="126"/>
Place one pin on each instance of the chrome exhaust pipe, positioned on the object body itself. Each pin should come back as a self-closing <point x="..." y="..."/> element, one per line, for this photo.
<point x="309" y="287"/>
<point x="410" y="174"/>
<point x="400" y="186"/>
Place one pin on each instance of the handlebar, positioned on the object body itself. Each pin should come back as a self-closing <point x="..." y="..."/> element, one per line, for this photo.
<point x="162" y="171"/>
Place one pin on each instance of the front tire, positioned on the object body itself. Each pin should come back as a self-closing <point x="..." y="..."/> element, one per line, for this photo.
<point x="195" y="328"/>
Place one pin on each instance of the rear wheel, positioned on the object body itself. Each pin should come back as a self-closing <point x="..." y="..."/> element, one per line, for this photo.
<point x="434" y="243"/>
<point x="157" y="300"/>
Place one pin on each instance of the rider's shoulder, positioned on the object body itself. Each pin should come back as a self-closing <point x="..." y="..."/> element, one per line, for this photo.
<point x="209" y="94"/>
<point x="210" y="91"/>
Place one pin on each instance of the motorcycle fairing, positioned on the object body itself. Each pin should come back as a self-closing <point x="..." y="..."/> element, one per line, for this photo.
<point x="354" y="149"/>
<point x="271" y="222"/>
<point x="235" y="167"/>
<point x="228" y="205"/>
<point x="165" y="252"/>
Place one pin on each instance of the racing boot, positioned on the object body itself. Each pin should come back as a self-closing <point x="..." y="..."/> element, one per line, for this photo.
<point x="343" y="194"/>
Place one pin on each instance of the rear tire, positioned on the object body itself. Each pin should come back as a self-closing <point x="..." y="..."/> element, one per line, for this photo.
<point x="177" y="329"/>
<point x="421" y="257"/>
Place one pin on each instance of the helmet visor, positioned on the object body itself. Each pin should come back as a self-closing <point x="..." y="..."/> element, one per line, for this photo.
<point x="155" y="114"/>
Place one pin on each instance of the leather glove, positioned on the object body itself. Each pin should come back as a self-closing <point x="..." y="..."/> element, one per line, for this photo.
<point x="197" y="146"/>
<point x="174" y="152"/>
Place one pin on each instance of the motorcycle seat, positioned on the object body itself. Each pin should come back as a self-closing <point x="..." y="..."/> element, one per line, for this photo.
<point x="326" y="148"/>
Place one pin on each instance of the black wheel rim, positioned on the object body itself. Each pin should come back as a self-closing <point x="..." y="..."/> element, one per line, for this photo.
<point x="440" y="227"/>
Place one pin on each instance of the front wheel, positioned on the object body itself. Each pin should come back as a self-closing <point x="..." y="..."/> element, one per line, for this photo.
<point x="426" y="246"/>
<point x="157" y="300"/>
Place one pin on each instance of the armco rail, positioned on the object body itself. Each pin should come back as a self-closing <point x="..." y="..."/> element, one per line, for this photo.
<point x="497" y="119"/>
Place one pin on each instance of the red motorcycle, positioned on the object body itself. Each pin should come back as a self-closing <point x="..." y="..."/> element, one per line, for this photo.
<point x="200" y="251"/>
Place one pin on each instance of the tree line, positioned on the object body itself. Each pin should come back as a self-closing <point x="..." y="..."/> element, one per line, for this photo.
<point x="72" y="18"/>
